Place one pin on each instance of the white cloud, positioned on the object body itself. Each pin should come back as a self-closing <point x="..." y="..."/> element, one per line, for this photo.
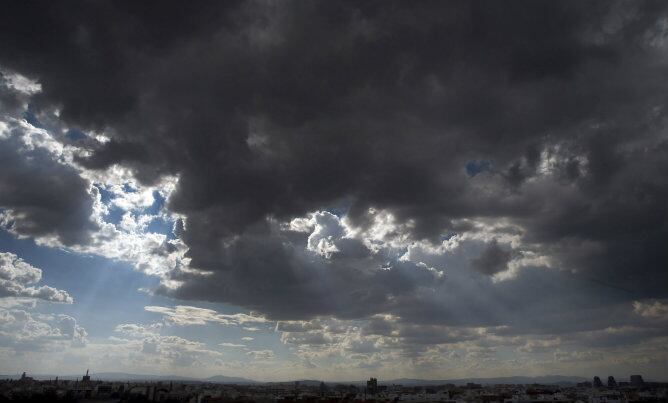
<point x="29" y="332"/>
<point x="20" y="82"/>
<point x="133" y="199"/>
<point x="17" y="302"/>
<point x="261" y="354"/>
<point x="69" y="328"/>
<point x="232" y="345"/>
<point x="16" y="277"/>
<point x="150" y="252"/>
<point x="4" y="130"/>
<point x="184" y="315"/>
<point x="135" y="330"/>
<point x="165" y="350"/>
<point x="652" y="310"/>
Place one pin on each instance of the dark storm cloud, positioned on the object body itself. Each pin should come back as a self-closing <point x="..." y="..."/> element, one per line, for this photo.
<point x="42" y="198"/>
<point x="492" y="260"/>
<point x="267" y="270"/>
<point x="276" y="109"/>
<point x="39" y="197"/>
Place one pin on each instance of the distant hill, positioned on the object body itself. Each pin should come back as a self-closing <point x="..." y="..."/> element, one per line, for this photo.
<point x="228" y="379"/>
<point x="520" y="380"/>
<point x="302" y="382"/>
<point x="122" y="376"/>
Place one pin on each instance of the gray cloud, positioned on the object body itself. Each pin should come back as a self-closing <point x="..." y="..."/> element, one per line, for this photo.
<point x="265" y="265"/>
<point x="267" y="112"/>
<point x="492" y="260"/>
<point x="42" y="198"/>
<point x="39" y="195"/>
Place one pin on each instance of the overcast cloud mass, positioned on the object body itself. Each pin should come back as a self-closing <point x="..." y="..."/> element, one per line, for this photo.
<point x="469" y="188"/>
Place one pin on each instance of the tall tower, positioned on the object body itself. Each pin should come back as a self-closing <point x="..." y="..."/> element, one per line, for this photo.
<point x="611" y="382"/>
<point x="597" y="382"/>
<point x="372" y="386"/>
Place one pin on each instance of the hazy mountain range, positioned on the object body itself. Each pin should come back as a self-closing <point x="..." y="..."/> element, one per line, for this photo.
<point x="547" y="379"/>
<point x="121" y="376"/>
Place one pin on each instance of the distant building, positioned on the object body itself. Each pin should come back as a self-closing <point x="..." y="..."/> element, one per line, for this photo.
<point x="611" y="382"/>
<point x="597" y="382"/>
<point x="25" y="379"/>
<point x="636" y="380"/>
<point x="372" y="386"/>
<point x="103" y="391"/>
<point x="83" y="389"/>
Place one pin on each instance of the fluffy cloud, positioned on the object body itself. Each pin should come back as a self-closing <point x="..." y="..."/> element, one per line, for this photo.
<point x="430" y="169"/>
<point x="397" y="142"/>
<point x="16" y="277"/>
<point x="47" y="196"/>
<point x="311" y="143"/>
<point x="135" y="330"/>
<point x="24" y="331"/>
<point x="40" y="197"/>
<point x="191" y="315"/>
<point x="165" y="350"/>
<point x="289" y="274"/>
<point x="261" y="354"/>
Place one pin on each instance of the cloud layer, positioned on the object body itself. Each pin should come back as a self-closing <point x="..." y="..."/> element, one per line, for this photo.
<point x="429" y="169"/>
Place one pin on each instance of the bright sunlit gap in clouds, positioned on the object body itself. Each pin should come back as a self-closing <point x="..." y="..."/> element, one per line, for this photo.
<point x="324" y="190"/>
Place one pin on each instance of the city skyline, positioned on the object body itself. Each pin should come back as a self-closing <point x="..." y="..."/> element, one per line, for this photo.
<point x="212" y="390"/>
<point x="281" y="190"/>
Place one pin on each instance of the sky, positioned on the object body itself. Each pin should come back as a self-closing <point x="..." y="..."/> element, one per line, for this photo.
<point x="334" y="190"/>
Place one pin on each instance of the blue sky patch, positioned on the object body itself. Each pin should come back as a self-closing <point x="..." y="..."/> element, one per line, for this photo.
<point x="475" y="167"/>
